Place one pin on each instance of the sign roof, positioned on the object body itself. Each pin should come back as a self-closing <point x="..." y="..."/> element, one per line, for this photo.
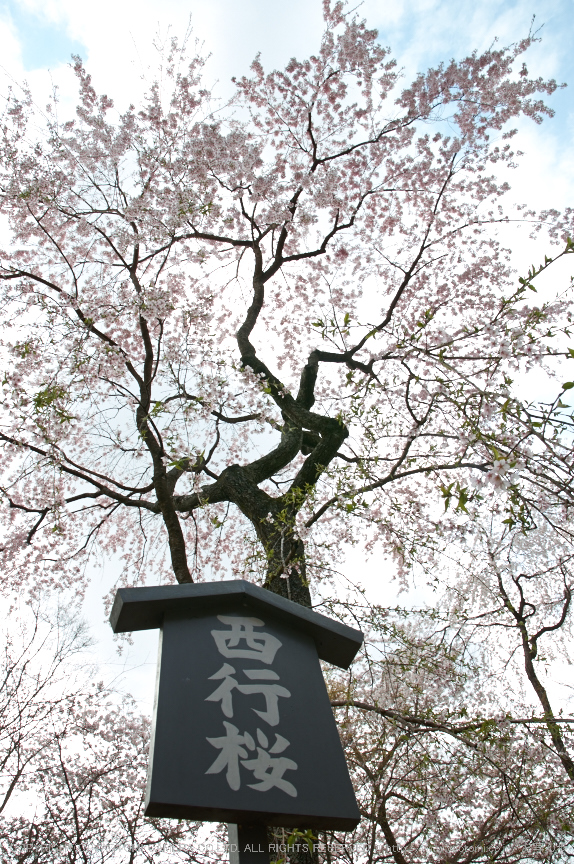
<point x="144" y="609"/>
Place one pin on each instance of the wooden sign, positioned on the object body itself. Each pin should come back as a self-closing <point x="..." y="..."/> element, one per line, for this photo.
<point x="243" y="729"/>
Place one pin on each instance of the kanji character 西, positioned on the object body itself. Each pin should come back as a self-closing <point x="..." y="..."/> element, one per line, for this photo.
<point x="256" y="645"/>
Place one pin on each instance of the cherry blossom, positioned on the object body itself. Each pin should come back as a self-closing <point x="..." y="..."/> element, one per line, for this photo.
<point x="239" y="339"/>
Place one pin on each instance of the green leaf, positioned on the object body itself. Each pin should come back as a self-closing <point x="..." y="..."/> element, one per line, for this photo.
<point x="463" y="499"/>
<point x="446" y="492"/>
<point x="568" y="385"/>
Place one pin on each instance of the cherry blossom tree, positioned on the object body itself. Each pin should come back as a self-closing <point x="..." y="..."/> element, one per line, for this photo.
<point x="442" y="775"/>
<point x="36" y="660"/>
<point x="233" y="332"/>
<point x="73" y="756"/>
<point x="238" y="338"/>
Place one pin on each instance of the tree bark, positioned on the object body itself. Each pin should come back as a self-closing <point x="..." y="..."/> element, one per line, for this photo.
<point x="389" y="836"/>
<point x="176" y="539"/>
<point x="286" y="570"/>
<point x="540" y="690"/>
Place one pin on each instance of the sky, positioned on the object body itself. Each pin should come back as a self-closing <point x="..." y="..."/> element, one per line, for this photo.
<point x="116" y="39"/>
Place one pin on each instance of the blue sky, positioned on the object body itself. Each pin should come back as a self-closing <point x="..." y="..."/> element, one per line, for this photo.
<point x="44" y="43"/>
<point x="115" y="39"/>
<point x="423" y="31"/>
<point x="48" y="31"/>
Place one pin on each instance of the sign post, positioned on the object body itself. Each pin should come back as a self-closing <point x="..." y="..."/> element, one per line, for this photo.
<point x="243" y="730"/>
<point x="249" y="844"/>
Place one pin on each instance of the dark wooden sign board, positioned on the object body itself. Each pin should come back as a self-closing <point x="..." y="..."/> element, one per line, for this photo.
<point x="243" y="729"/>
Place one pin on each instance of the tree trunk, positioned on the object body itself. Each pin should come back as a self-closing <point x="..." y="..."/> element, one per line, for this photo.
<point x="286" y="570"/>
<point x="540" y="691"/>
<point x="286" y="576"/>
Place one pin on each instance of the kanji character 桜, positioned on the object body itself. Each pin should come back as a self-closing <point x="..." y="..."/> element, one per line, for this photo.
<point x="271" y="692"/>
<point x="269" y="770"/>
<point x="257" y="646"/>
<point x="232" y="747"/>
<point x="266" y="767"/>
